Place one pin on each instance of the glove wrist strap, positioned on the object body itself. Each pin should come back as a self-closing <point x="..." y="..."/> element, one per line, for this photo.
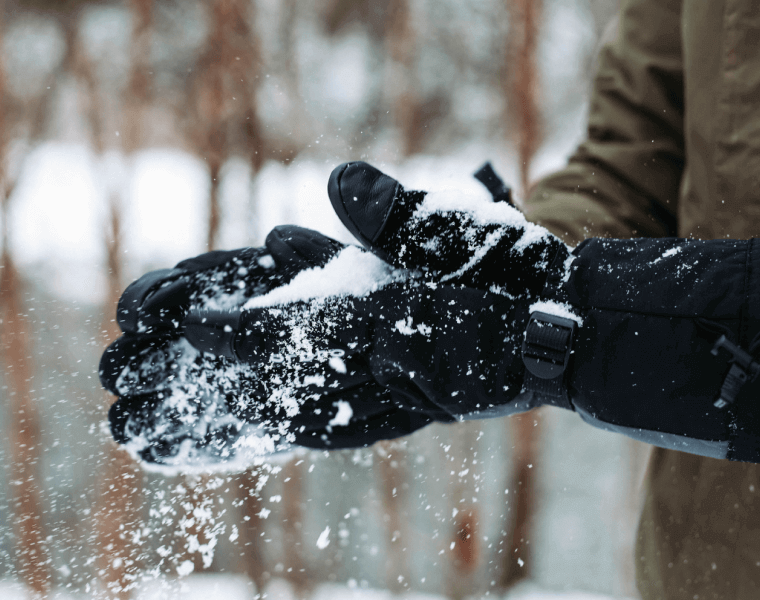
<point x="546" y="353"/>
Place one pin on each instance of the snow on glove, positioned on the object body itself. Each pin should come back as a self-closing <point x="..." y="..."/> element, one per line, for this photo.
<point x="174" y="403"/>
<point x="158" y="301"/>
<point x="655" y="339"/>
<point x="452" y="237"/>
<point x="356" y="325"/>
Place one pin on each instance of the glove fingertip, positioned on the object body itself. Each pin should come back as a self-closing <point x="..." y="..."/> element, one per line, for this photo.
<point x="127" y="310"/>
<point x="363" y="197"/>
<point x="118" y="415"/>
<point x="297" y="248"/>
<point x="113" y="361"/>
<point x="128" y="408"/>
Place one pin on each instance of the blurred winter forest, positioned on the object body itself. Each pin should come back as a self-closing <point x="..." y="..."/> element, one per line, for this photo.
<point x="136" y="133"/>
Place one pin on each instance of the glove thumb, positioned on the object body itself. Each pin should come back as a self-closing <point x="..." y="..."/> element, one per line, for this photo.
<point x="372" y="205"/>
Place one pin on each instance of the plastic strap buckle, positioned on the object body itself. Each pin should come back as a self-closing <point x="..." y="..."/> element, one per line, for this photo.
<point x="743" y="369"/>
<point x="546" y="353"/>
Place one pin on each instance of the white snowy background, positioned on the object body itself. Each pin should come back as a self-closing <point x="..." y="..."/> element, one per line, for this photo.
<point x="589" y="480"/>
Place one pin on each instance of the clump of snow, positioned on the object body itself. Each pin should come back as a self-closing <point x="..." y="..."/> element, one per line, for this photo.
<point x="337" y="364"/>
<point x="482" y="213"/>
<point x="344" y="414"/>
<point x="324" y="539"/>
<point x="352" y="272"/>
<point x="668" y="253"/>
<point x="407" y="327"/>
<point x="192" y="428"/>
<point x="558" y="309"/>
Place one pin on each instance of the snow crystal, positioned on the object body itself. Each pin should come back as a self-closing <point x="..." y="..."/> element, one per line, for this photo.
<point x="567" y="268"/>
<point x="668" y="253"/>
<point x="404" y="326"/>
<point x="407" y="327"/>
<point x="324" y="539"/>
<point x="558" y="309"/>
<point x="267" y="262"/>
<point x="672" y="252"/>
<point x="491" y="240"/>
<point x="336" y="364"/>
<point x="185" y="568"/>
<point x="345" y="412"/>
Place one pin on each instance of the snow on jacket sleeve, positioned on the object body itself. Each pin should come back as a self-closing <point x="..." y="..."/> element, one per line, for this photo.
<point x="624" y="179"/>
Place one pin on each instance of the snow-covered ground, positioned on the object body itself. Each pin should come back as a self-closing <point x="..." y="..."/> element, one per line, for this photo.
<point x="233" y="587"/>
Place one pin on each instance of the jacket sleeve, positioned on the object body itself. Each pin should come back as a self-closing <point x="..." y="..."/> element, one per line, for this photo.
<point x="623" y="181"/>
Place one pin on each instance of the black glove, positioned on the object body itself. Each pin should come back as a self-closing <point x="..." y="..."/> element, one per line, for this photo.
<point x="643" y="337"/>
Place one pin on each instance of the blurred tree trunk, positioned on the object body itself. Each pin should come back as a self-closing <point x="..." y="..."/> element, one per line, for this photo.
<point x="119" y="490"/>
<point x="466" y="553"/>
<point x="522" y="81"/>
<point x="32" y="561"/>
<point x="250" y="484"/>
<point x="400" y="80"/>
<point x="224" y="111"/>
<point x="293" y="494"/>
<point x="524" y="430"/>
<point x="289" y="68"/>
<point x="118" y="504"/>
<point x="390" y="461"/>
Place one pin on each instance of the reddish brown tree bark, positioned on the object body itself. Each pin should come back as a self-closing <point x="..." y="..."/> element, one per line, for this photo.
<point x="292" y="524"/>
<point x="400" y="77"/>
<point x="524" y="430"/>
<point x="119" y="497"/>
<point x="390" y="461"/>
<point x="224" y="112"/>
<point x="119" y="490"/>
<point x="465" y="555"/>
<point x="523" y="82"/>
<point x="32" y="561"/>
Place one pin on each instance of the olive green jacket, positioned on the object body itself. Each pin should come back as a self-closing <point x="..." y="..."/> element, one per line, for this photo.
<point x="673" y="149"/>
